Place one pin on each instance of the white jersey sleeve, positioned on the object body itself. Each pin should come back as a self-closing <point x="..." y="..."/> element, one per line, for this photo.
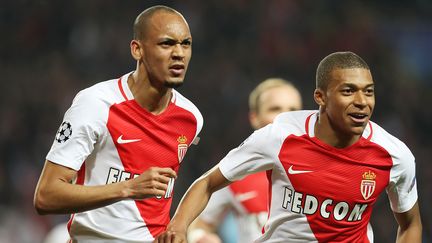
<point x="82" y="125"/>
<point x="253" y="155"/>
<point x="402" y="189"/>
<point x="218" y="205"/>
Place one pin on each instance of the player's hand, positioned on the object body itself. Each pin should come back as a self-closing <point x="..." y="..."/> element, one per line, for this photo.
<point x="152" y="182"/>
<point x="171" y="236"/>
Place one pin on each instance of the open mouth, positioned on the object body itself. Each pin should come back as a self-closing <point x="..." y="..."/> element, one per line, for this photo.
<point x="177" y="69"/>
<point x="358" y="117"/>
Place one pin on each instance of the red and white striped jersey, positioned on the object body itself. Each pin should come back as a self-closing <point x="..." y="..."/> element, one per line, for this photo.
<point x="107" y="137"/>
<point x="248" y="199"/>
<point x="321" y="193"/>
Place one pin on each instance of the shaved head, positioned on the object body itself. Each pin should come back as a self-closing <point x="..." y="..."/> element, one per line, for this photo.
<point x="142" y="20"/>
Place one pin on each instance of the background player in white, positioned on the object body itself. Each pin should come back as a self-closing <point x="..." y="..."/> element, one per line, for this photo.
<point x="328" y="167"/>
<point x="118" y="150"/>
<point x="247" y="198"/>
<point x="58" y="234"/>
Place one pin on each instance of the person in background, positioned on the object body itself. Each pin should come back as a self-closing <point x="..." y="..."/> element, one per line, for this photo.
<point x="115" y="157"/>
<point x="58" y="234"/>
<point x="327" y="167"/>
<point x="247" y="199"/>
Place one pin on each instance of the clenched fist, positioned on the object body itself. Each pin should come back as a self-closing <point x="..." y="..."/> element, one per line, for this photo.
<point x="153" y="182"/>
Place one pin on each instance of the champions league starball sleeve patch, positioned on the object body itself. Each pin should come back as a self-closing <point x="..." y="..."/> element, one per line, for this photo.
<point x="64" y="132"/>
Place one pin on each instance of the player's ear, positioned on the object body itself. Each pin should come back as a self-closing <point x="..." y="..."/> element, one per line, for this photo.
<point x="319" y="97"/>
<point x="253" y="119"/>
<point x="136" y="49"/>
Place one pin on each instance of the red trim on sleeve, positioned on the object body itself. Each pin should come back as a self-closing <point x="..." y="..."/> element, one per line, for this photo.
<point x="121" y="89"/>
<point x="81" y="175"/>
<point x="69" y="225"/>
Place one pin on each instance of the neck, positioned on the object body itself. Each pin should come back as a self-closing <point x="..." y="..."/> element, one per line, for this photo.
<point x="152" y="98"/>
<point x="329" y="134"/>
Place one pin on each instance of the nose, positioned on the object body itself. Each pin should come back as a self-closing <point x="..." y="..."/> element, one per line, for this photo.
<point x="360" y="99"/>
<point x="178" y="52"/>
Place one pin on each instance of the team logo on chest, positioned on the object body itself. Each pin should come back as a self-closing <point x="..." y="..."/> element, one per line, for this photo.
<point x="182" y="147"/>
<point x="367" y="186"/>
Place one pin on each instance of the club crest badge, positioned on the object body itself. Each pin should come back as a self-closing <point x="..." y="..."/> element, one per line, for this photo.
<point x="367" y="186"/>
<point x="182" y="147"/>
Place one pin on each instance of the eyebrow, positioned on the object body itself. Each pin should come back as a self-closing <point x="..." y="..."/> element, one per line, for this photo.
<point x="186" y="40"/>
<point x="351" y="85"/>
<point x="174" y="40"/>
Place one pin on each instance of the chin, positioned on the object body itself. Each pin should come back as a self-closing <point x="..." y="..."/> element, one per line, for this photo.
<point x="173" y="83"/>
<point x="358" y="130"/>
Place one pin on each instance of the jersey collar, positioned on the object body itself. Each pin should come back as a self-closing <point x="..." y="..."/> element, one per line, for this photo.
<point x="312" y="119"/>
<point x="124" y="87"/>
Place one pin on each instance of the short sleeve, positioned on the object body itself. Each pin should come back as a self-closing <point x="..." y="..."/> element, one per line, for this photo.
<point x="80" y="129"/>
<point x="220" y="202"/>
<point x="256" y="153"/>
<point x="402" y="190"/>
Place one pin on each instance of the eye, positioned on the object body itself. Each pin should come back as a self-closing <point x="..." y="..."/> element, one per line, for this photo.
<point x="167" y="43"/>
<point x="186" y="43"/>
<point x="347" y="91"/>
<point x="275" y="109"/>
<point x="370" y="91"/>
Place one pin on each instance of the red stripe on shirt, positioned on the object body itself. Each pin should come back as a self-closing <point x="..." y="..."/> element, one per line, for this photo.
<point x="121" y="89"/>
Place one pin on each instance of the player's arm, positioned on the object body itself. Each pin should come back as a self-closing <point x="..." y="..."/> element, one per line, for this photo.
<point x="203" y="229"/>
<point x="410" y="226"/>
<point x="56" y="193"/>
<point x="192" y="204"/>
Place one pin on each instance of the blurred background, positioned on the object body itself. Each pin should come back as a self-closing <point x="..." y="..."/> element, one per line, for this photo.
<point x="49" y="50"/>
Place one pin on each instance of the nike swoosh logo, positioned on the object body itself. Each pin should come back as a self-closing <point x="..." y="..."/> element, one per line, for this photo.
<point x="241" y="197"/>
<point x="120" y="140"/>
<point x="293" y="172"/>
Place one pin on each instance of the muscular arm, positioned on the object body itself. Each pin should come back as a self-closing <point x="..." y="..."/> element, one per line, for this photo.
<point x="203" y="229"/>
<point x="410" y="226"/>
<point x="55" y="192"/>
<point x="192" y="204"/>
